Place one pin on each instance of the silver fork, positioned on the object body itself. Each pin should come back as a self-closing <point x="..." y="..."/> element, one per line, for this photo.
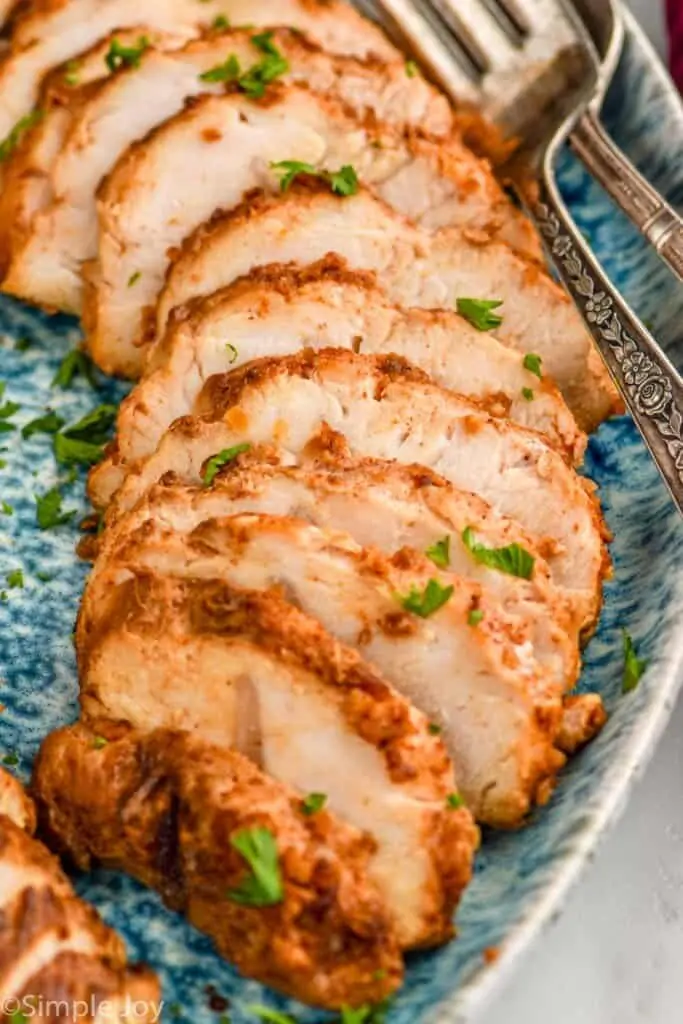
<point x="532" y="67"/>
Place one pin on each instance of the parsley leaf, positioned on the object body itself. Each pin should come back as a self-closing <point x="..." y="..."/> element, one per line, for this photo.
<point x="365" y="1014"/>
<point x="633" y="665"/>
<point x="474" y="616"/>
<point x="73" y="364"/>
<point x="313" y="802"/>
<point x="434" y="729"/>
<point x="9" y="144"/>
<point x="7" y="509"/>
<point x="15" y="579"/>
<point x="134" y="278"/>
<point x="425" y="602"/>
<point x="412" y="69"/>
<point x="22" y="344"/>
<point x="232" y="351"/>
<point x="343" y="182"/>
<point x="10" y="760"/>
<point x="99" y="742"/>
<point x="263" y="888"/>
<point x="440" y="552"/>
<point x="532" y="363"/>
<point x="120" y="56"/>
<point x="220" y="22"/>
<point x="49" y="510"/>
<point x="223" y="457"/>
<point x="49" y="423"/>
<point x="479" y="312"/>
<point x="528" y="394"/>
<point x="264" y="42"/>
<point x="512" y="559"/>
<point x="454" y="801"/>
<point x="71" y="76"/>
<point x="82" y="443"/>
<point x="271" y="1016"/>
<point x="228" y="71"/>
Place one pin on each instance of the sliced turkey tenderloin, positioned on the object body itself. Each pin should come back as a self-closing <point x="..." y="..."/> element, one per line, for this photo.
<point x="169" y="808"/>
<point x="47" y="35"/>
<point x="385" y="408"/>
<point x="46" y="263"/>
<point x="211" y="154"/>
<point x="278" y="310"/>
<point x="380" y="504"/>
<point x="248" y="671"/>
<point x="467" y="665"/>
<point x="415" y="269"/>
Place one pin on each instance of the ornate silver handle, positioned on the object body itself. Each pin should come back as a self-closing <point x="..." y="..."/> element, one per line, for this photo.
<point x="649" y="384"/>
<point x="651" y="214"/>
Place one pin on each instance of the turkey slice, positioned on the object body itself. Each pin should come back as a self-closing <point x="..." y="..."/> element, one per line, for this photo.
<point x="380" y="504"/>
<point x="278" y="310"/>
<point x="52" y="944"/>
<point x="387" y="409"/>
<point x="415" y="269"/>
<point x="47" y="35"/>
<point x="167" y="807"/>
<point x="466" y="664"/>
<point x="209" y="155"/>
<point x="247" y="670"/>
<point x="46" y="262"/>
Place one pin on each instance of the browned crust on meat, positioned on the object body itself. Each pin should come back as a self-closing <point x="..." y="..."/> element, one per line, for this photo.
<point x="152" y="606"/>
<point x="47" y="905"/>
<point x="15" y="803"/>
<point x="583" y="718"/>
<point x="164" y="806"/>
<point x="286" y="279"/>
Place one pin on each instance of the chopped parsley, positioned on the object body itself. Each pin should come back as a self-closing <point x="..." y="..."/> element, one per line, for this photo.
<point x="512" y="559"/>
<point x="49" y="423"/>
<point x="49" y="510"/>
<point x="271" y="1016"/>
<point x="480" y="313"/>
<point x="120" y="56"/>
<point x="44" y="577"/>
<point x="232" y="352"/>
<point x="474" y="616"/>
<point x="71" y="72"/>
<point x="83" y="442"/>
<point x="134" y="278"/>
<point x="633" y="665"/>
<point x="7" y="509"/>
<point x="253" y="81"/>
<point x="313" y="802"/>
<point x="15" y="579"/>
<point x="220" y="22"/>
<point x="454" y="801"/>
<point x="7" y="410"/>
<point x="532" y="363"/>
<point x="428" y="601"/>
<point x="365" y="1014"/>
<point x="412" y="69"/>
<point x="440" y="552"/>
<point x="228" y="71"/>
<point x="434" y="729"/>
<point x="21" y="344"/>
<point x="10" y="143"/>
<point x="10" y="760"/>
<point x="99" y="742"/>
<point x="75" y="363"/>
<point x="223" y="457"/>
<point x="343" y="182"/>
<point x="528" y="394"/>
<point x="263" y="887"/>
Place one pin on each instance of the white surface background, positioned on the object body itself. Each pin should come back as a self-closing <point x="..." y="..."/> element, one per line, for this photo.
<point x="616" y="954"/>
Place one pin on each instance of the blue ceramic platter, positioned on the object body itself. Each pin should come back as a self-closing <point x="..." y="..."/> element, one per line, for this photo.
<point x="522" y="879"/>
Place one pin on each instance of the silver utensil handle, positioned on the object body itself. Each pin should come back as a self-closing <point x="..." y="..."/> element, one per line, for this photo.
<point x="651" y="214"/>
<point x="651" y="387"/>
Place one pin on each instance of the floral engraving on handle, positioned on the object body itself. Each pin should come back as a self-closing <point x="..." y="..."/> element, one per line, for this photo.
<point x="646" y="382"/>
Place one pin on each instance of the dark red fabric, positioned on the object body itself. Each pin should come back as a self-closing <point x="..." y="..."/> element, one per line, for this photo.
<point x="674" y="13"/>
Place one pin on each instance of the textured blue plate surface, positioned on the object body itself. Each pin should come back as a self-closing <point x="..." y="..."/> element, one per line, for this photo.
<point x="521" y="879"/>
